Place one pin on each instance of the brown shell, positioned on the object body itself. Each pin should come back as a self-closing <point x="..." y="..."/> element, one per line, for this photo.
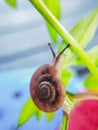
<point x="47" y="73"/>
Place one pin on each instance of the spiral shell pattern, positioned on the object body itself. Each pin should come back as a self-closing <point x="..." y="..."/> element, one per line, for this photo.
<point x="47" y="92"/>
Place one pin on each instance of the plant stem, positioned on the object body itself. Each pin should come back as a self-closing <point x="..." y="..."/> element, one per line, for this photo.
<point x="49" y="17"/>
<point x="66" y="124"/>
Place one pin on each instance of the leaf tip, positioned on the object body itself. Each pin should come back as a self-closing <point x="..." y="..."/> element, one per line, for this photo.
<point x="19" y="124"/>
<point x="17" y="127"/>
<point x="12" y="3"/>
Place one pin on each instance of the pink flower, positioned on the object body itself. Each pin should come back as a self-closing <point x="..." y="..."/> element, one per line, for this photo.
<point x="84" y="116"/>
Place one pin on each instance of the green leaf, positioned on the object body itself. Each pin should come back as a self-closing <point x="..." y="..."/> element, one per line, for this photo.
<point x="27" y="111"/>
<point x="54" y="7"/>
<point x="12" y="3"/>
<point x="50" y="116"/>
<point x="83" y="32"/>
<point x="53" y="33"/>
<point x="92" y="53"/>
<point x="85" y="29"/>
<point x="90" y="83"/>
<point x="66" y="76"/>
<point x="38" y="115"/>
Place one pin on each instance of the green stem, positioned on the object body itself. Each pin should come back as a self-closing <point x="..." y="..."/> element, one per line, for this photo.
<point x="49" y="17"/>
<point x="66" y="124"/>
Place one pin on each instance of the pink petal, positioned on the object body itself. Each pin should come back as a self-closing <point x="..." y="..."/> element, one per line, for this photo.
<point x="84" y="116"/>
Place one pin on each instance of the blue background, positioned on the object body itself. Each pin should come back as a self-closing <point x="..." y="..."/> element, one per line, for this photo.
<point x="23" y="47"/>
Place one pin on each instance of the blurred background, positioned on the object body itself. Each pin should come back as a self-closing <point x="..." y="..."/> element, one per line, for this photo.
<point x="23" y="47"/>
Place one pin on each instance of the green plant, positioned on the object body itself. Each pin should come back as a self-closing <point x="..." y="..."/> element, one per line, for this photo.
<point x="79" y="37"/>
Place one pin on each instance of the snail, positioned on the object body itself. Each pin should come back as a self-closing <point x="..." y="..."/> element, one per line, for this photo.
<point x="46" y="89"/>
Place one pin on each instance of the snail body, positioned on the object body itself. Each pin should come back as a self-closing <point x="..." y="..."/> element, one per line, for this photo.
<point x="46" y="89"/>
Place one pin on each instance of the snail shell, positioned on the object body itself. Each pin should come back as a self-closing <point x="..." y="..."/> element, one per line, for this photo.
<point x="47" y="91"/>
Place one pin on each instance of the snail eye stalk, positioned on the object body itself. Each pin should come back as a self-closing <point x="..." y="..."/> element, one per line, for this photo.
<point x="58" y="56"/>
<point x="53" y="53"/>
